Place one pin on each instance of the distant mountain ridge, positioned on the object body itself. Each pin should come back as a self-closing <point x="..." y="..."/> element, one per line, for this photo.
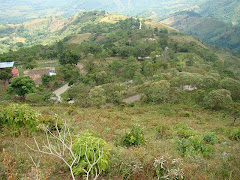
<point x="19" y="11"/>
<point x="224" y="10"/>
<point x="207" y="29"/>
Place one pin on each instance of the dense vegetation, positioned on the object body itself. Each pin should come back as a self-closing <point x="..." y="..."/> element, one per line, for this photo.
<point x="185" y="124"/>
<point x="207" y="29"/>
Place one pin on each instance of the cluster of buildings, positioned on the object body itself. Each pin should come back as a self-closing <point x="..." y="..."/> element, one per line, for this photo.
<point x="33" y="74"/>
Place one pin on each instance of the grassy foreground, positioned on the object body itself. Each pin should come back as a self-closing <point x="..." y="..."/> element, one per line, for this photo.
<point x="166" y="128"/>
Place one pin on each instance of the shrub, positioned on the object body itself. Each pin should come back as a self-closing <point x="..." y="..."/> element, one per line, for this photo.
<point x="114" y="92"/>
<point x="234" y="134"/>
<point x="218" y="99"/>
<point x="34" y="98"/>
<point x="232" y="85"/>
<point x="89" y="149"/>
<point x="49" y="123"/>
<point x="168" y="168"/>
<point x="210" y="138"/>
<point x="78" y="93"/>
<point x="97" y="96"/>
<point x="185" y="132"/>
<point x="158" y="92"/>
<point x="16" y="116"/>
<point x="194" y="145"/>
<point x="134" y="137"/>
<point x="46" y="79"/>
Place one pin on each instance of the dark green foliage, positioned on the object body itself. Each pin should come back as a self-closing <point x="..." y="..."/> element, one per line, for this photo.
<point x="46" y="79"/>
<point x="21" y="86"/>
<point x="210" y="138"/>
<point x="90" y="148"/>
<point x="134" y="137"/>
<point x="5" y="74"/>
<point x="69" y="57"/>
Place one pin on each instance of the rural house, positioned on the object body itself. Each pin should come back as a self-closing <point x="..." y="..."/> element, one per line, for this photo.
<point x="36" y="74"/>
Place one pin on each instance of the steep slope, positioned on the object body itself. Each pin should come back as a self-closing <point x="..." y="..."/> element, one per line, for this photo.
<point x="43" y="30"/>
<point x="207" y="29"/>
<point x="224" y="10"/>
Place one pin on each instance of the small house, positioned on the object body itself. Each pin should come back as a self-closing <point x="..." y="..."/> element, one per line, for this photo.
<point x="36" y="74"/>
<point x="15" y="73"/>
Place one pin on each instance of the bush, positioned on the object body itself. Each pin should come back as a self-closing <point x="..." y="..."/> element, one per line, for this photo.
<point x="218" y="99"/>
<point x="114" y="93"/>
<point x="34" y="98"/>
<point x="16" y="116"/>
<point x="158" y="92"/>
<point x="185" y="132"/>
<point x="134" y="137"/>
<point x="234" y="134"/>
<point x="233" y="86"/>
<point x="97" y="96"/>
<point x="90" y="148"/>
<point x="193" y="146"/>
<point x="168" y="168"/>
<point x="49" y="123"/>
<point x="210" y="138"/>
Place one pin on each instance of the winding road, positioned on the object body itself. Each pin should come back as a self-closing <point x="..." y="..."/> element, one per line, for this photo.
<point x="61" y="90"/>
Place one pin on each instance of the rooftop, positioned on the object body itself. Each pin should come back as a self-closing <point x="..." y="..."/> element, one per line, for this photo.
<point x="6" y="65"/>
<point x="14" y="71"/>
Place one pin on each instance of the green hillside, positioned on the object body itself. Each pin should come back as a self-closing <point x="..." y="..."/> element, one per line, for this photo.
<point x="144" y="101"/>
<point x="224" y="10"/>
<point x="207" y="29"/>
<point x="43" y="30"/>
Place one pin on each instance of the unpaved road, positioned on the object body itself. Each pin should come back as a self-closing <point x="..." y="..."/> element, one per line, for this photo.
<point x="133" y="98"/>
<point x="61" y="90"/>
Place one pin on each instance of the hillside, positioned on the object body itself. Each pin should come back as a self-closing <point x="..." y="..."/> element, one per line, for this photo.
<point x="224" y="10"/>
<point x="142" y="101"/>
<point x="21" y="11"/>
<point x="207" y="29"/>
<point x="43" y="30"/>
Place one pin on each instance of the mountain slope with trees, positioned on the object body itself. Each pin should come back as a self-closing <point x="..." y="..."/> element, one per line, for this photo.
<point x="207" y="29"/>
<point x="186" y="123"/>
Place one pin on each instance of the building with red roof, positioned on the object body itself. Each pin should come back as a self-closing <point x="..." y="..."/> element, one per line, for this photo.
<point x="15" y="73"/>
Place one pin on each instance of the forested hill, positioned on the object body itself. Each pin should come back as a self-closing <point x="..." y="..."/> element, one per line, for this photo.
<point x="224" y="10"/>
<point x="207" y="29"/>
<point x="98" y="35"/>
<point x="144" y="101"/>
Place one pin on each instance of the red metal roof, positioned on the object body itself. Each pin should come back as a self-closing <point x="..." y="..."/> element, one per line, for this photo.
<point x="14" y="71"/>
